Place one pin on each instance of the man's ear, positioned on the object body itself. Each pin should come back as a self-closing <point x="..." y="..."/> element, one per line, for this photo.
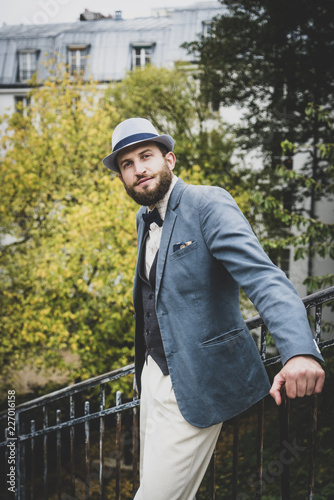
<point x="120" y="177"/>
<point x="171" y="159"/>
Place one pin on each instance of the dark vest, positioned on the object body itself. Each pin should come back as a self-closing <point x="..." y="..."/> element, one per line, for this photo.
<point x="151" y="330"/>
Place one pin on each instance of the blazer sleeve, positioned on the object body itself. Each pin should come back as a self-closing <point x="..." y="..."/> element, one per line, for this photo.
<point x="231" y="240"/>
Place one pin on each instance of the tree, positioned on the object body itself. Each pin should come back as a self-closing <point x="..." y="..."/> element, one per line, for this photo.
<point x="312" y="237"/>
<point x="67" y="257"/>
<point x="68" y="245"/>
<point x="272" y="59"/>
<point x="171" y="100"/>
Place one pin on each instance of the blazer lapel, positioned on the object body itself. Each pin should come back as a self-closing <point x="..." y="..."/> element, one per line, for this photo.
<point x="167" y="230"/>
<point x="141" y="233"/>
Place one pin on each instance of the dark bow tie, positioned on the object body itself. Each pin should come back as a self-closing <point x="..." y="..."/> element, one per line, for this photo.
<point x="153" y="216"/>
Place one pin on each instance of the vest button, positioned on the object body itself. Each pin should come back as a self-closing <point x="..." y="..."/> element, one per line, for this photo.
<point x="148" y="315"/>
<point x="147" y="332"/>
<point x="150" y="296"/>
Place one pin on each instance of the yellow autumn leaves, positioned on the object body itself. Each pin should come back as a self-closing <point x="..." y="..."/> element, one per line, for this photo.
<point x="68" y="232"/>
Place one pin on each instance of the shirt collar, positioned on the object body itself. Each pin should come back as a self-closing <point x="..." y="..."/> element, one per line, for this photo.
<point x="162" y="204"/>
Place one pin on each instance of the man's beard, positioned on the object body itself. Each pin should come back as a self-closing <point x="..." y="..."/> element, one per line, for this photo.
<point x="149" y="198"/>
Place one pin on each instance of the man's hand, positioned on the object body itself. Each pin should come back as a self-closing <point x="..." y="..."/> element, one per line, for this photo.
<point x="301" y="375"/>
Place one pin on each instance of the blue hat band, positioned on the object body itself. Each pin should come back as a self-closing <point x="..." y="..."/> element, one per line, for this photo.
<point x="133" y="138"/>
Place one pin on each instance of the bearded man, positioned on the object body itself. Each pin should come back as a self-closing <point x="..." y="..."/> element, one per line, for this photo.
<point x="196" y="362"/>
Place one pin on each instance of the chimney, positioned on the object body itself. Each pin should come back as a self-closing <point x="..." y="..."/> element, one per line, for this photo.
<point x="92" y="16"/>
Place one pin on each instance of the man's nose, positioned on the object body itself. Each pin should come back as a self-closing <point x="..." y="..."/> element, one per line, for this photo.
<point x="140" y="168"/>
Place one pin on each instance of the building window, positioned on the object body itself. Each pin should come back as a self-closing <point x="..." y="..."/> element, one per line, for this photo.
<point x="22" y="103"/>
<point x="206" y="28"/>
<point x="27" y="64"/>
<point x="77" y="57"/>
<point x="141" y="55"/>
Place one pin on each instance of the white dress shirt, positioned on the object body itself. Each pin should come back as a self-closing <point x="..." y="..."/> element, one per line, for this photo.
<point x="154" y="234"/>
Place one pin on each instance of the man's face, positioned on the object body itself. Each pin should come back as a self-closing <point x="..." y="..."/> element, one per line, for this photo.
<point x="145" y="172"/>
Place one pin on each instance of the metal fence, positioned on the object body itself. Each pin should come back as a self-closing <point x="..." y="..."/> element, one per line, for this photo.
<point x="57" y="446"/>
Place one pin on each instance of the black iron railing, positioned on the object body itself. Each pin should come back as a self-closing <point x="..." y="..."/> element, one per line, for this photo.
<point x="57" y="446"/>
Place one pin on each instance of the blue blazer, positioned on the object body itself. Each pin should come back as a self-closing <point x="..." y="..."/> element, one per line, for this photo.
<point x="213" y="361"/>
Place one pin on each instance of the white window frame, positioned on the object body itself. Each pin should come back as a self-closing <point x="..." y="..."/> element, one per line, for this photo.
<point x="24" y="100"/>
<point x="142" y="54"/>
<point x="77" y="57"/>
<point x="27" y="64"/>
<point x="206" y="28"/>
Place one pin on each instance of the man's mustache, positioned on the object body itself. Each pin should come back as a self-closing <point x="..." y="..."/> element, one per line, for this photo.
<point x="143" y="177"/>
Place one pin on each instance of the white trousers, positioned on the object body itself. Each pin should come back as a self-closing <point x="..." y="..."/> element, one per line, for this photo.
<point x="174" y="454"/>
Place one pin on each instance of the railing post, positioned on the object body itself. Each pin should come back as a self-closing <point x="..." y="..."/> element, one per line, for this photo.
<point x="314" y="422"/>
<point x="6" y="462"/>
<point x="87" y="451"/>
<point x="284" y="437"/>
<point x="260" y="429"/>
<point x="18" y="457"/>
<point x="45" y="452"/>
<point x="22" y="447"/>
<point x="212" y="487"/>
<point x="72" y="415"/>
<point x="135" y="440"/>
<point x="32" y="449"/>
<point x="260" y="417"/>
<point x="263" y="346"/>
<point x="318" y="320"/>
<point x="235" y="457"/>
<point x="118" y="444"/>
<point x="102" y="407"/>
<point x="58" y="456"/>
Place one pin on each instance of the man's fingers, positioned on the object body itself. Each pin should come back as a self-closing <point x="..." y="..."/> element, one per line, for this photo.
<point x="297" y="387"/>
<point x="275" y="390"/>
<point x="319" y="383"/>
<point x="308" y="383"/>
<point x="302" y="377"/>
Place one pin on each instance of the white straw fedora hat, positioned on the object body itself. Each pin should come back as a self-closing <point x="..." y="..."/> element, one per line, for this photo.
<point x="130" y="132"/>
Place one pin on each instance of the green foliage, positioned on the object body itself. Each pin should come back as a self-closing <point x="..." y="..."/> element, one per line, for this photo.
<point x="255" y="59"/>
<point x="68" y="255"/>
<point x="272" y="60"/>
<point x="68" y="245"/>
<point x="287" y="204"/>
<point x="171" y="100"/>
